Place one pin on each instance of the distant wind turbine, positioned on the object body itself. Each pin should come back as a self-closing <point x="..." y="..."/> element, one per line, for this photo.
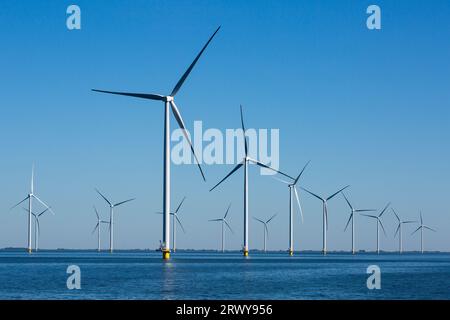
<point x="98" y="228"/>
<point x="379" y="223"/>
<point x="421" y="227"/>
<point x="399" y="230"/>
<point x="224" y="223"/>
<point x="266" y="229"/>
<point x="245" y="163"/>
<point x="352" y="218"/>
<point x="169" y="103"/>
<point x="175" y="220"/>
<point x="293" y="191"/>
<point x="30" y="197"/>
<point x="325" y="215"/>
<point x="111" y="218"/>
<point x="37" y="227"/>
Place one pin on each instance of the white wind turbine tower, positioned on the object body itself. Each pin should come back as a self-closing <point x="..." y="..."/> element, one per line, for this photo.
<point x="293" y="191"/>
<point x="245" y="161"/>
<point x="399" y="230"/>
<point x="175" y="220"/>
<point x="421" y="227"/>
<point x="98" y="228"/>
<point x="352" y="218"/>
<point x="325" y="215"/>
<point x="266" y="229"/>
<point x="224" y="222"/>
<point x="379" y="223"/>
<point x="111" y="218"/>
<point x="169" y="103"/>
<point x="37" y="227"/>
<point x="30" y="197"/>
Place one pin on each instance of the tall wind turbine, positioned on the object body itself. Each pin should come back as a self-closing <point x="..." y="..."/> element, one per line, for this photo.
<point x="399" y="230"/>
<point x="352" y="218"/>
<point x="266" y="229"/>
<point x="293" y="191"/>
<point x="169" y="103"/>
<point x="37" y="227"/>
<point x="325" y="215"/>
<point x="245" y="161"/>
<point x="111" y="218"/>
<point x="379" y="223"/>
<point x="98" y="228"/>
<point x="421" y="227"/>
<point x="30" y="197"/>
<point x="224" y="222"/>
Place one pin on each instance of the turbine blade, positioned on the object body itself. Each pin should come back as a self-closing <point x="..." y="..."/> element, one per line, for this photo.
<point x="421" y="220"/>
<point x="96" y="212"/>
<point x="96" y="226"/>
<point x="281" y="180"/>
<point x="416" y="230"/>
<point x="243" y="132"/>
<point x="216" y="220"/>
<point x="226" y="223"/>
<point x="298" y="202"/>
<point x="148" y="96"/>
<point x="231" y="172"/>
<point x="179" y="206"/>
<point x="177" y="116"/>
<point x="103" y="197"/>
<point x="334" y="194"/>
<point x="348" y="202"/>
<point x="348" y="222"/>
<point x="365" y="210"/>
<point x="396" y="231"/>
<point x="19" y="203"/>
<point x="44" y="211"/>
<point x="32" y="179"/>
<point x="271" y="218"/>
<point x="268" y="167"/>
<point x="426" y="227"/>
<point x="186" y="73"/>
<point x="382" y="227"/>
<point x="326" y="214"/>
<point x="409" y="221"/>
<point x="118" y="204"/>
<point x="301" y="172"/>
<point x="313" y="194"/>
<point x="385" y="208"/>
<point x="44" y="204"/>
<point x="181" y="225"/>
<point x="370" y="216"/>
<point x="38" y="227"/>
<point x="396" y="215"/>
<point x="228" y="209"/>
<point x="259" y="220"/>
<point x="266" y="229"/>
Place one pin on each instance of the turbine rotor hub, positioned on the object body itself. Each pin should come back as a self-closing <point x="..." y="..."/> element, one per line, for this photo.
<point x="169" y="98"/>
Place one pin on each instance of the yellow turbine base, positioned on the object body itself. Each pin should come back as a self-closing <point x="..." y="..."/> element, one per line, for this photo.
<point x="291" y="253"/>
<point x="245" y="253"/>
<point x="29" y="250"/>
<point x="166" y="254"/>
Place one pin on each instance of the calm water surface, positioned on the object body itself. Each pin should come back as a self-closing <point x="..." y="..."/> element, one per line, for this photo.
<point x="193" y="275"/>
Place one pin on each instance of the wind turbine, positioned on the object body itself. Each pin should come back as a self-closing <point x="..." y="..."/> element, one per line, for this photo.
<point x="98" y="228"/>
<point x="169" y="103"/>
<point x="293" y="191"/>
<point x="175" y="219"/>
<point x="245" y="161"/>
<point x="111" y="218"/>
<point x="352" y="218"/>
<point x="224" y="222"/>
<point x="378" y="218"/>
<point x="399" y="230"/>
<point x="37" y="227"/>
<point x="30" y="197"/>
<point x="421" y="227"/>
<point x="266" y="230"/>
<point x="325" y="215"/>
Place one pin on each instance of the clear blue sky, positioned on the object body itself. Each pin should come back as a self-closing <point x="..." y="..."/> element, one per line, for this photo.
<point x="369" y="108"/>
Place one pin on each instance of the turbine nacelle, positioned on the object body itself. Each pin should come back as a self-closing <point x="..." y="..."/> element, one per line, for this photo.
<point x="168" y="99"/>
